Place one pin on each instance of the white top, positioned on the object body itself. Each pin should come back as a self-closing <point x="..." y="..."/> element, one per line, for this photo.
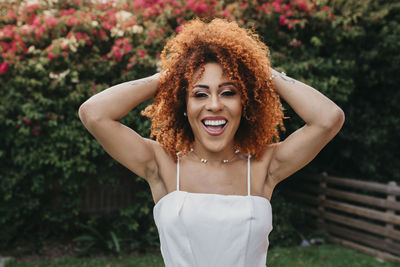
<point x="210" y="230"/>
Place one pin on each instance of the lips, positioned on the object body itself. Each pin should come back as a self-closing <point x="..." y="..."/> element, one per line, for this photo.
<point x="215" y="125"/>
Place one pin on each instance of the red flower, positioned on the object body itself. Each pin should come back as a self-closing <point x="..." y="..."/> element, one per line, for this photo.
<point x="197" y="7"/>
<point x="3" y="67"/>
<point x="282" y="20"/>
<point x="50" y="56"/>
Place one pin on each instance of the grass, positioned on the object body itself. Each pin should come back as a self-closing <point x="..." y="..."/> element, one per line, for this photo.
<point x="315" y="256"/>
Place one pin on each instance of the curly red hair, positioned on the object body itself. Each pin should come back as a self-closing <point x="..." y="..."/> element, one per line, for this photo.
<point x="244" y="59"/>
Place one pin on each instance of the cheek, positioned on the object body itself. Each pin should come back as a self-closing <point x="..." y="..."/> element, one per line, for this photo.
<point x="238" y="109"/>
<point x="192" y="113"/>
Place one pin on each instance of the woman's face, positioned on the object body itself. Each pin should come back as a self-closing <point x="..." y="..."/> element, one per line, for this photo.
<point x="214" y="109"/>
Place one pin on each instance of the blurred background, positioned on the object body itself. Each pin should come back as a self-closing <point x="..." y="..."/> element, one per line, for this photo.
<point x="57" y="184"/>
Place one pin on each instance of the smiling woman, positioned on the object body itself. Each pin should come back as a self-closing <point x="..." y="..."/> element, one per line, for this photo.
<point x="244" y="63"/>
<point x="216" y="158"/>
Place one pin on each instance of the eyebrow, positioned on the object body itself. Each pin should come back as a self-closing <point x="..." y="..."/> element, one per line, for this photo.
<point x="219" y="86"/>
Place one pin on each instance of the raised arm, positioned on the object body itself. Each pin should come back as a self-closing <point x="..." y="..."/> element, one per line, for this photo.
<point x="100" y="115"/>
<point x="323" y="120"/>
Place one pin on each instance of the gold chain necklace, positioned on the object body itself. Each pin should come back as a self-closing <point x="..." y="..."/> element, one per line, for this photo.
<point x="203" y="160"/>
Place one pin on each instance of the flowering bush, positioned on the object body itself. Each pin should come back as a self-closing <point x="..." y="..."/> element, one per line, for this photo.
<point x="57" y="53"/>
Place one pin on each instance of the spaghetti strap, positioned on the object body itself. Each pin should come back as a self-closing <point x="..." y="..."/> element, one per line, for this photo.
<point x="248" y="175"/>
<point x="177" y="174"/>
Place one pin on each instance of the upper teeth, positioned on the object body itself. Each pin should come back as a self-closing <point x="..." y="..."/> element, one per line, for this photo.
<point x="214" y="122"/>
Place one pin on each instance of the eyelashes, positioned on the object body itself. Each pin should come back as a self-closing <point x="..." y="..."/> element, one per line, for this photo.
<point x="199" y="94"/>
<point x="203" y="94"/>
<point x="229" y="93"/>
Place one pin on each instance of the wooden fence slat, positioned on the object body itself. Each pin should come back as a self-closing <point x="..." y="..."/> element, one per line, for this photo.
<point x="321" y="201"/>
<point x="372" y="201"/>
<point x="356" y="223"/>
<point x="371" y="214"/>
<point x="351" y="196"/>
<point x="366" y="250"/>
<point x="332" y="202"/>
<point x="363" y="185"/>
<point x="352" y="209"/>
<point x="390" y="226"/>
<point x="363" y="225"/>
<point x="364" y="238"/>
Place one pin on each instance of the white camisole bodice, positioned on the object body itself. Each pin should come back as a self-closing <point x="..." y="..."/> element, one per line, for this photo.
<point x="213" y="230"/>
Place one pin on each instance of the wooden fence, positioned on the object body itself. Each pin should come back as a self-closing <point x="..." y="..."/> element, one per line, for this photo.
<point x="361" y="215"/>
<point x="100" y="199"/>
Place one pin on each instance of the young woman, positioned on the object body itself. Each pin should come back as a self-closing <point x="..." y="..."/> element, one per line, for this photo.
<point x="216" y="157"/>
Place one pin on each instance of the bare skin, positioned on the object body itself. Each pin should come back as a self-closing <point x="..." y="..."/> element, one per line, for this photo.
<point x="145" y="157"/>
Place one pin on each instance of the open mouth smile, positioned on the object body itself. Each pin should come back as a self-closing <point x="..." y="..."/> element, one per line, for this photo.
<point x="214" y="126"/>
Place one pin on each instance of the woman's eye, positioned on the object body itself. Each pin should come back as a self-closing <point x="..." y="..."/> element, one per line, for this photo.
<point x="200" y="94"/>
<point x="228" y="93"/>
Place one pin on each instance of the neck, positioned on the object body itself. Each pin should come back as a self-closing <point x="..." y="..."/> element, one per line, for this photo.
<point x="226" y="154"/>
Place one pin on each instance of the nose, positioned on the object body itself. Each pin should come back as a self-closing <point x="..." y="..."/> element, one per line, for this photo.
<point x="214" y="103"/>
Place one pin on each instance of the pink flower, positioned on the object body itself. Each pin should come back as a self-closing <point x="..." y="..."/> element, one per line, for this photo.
<point x="79" y="35"/>
<point x="72" y="21"/>
<point x="11" y="14"/>
<point x="226" y="13"/>
<point x="41" y="30"/>
<point x="277" y="6"/>
<point x="51" y="21"/>
<point x="152" y="34"/>
<point x="50" y="56"/>
<point x="197" y="7"/>
<point x="32" y="8"/>
<point x="36" y="21"/>
<point x="67" y="12"/>
<point x="142" y="53"/>
<point x="3" y="67"/>
<point x="282" y="20"/>
<point x="28" y="122"/>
